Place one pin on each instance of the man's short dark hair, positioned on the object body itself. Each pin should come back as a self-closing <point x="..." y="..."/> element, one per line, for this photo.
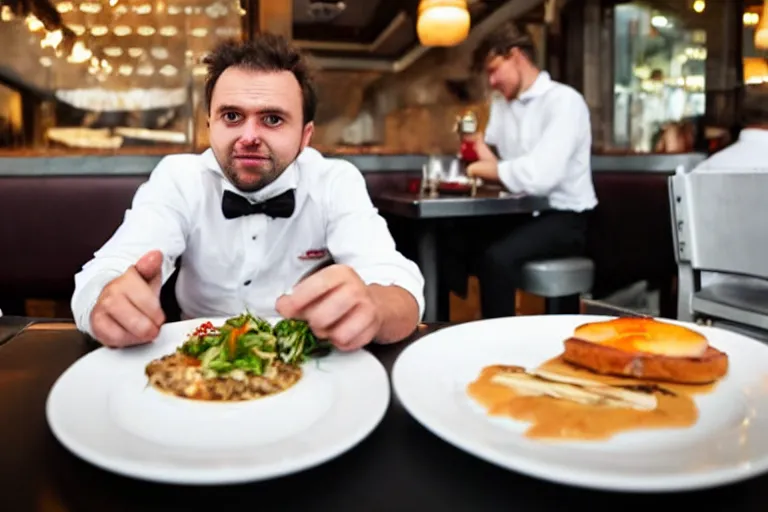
<point x="500" y="42"/>
<point x="754" y="106"/>
<point x="266" y="52"/>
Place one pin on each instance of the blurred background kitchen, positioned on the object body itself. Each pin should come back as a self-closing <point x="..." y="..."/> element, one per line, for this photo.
<point x="94" y="92"/>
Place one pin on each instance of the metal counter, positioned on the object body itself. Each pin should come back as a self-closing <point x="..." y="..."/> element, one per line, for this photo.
<point x="133" y="165"/>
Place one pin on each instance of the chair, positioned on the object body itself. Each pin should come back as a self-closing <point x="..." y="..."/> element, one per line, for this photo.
<point x="561" y="281"/>
<point x="718" y="225"/>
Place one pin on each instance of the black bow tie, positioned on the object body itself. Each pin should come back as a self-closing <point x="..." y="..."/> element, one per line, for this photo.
<point x="234" y="205"/>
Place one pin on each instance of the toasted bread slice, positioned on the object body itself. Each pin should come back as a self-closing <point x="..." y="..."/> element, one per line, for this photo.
<point x="608" y="360"/>
<point x="645" y="348"/>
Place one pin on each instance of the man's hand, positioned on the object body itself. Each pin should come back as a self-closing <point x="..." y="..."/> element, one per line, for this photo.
<point x="337" y="305"/>
<point x="487" y="171"/>
<point x="483" y="150"/>
<point x="128" y="310"/>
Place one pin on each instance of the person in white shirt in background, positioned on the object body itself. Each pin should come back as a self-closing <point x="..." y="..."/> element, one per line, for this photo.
<point x="540" y="133"/>
<point x="250" y="216"/>
<point x="750" y="151"/>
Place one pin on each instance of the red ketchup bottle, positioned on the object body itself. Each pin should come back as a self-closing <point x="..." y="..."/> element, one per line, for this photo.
<point x="466" y="127"/>
<point x="467" y="151"/>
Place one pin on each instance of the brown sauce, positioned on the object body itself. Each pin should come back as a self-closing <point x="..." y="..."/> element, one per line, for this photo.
<point x="555" y="418"/>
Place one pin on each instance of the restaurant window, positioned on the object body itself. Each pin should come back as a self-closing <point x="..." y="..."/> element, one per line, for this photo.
<point x="659" y="72"/>
<point x="113" y="75"/>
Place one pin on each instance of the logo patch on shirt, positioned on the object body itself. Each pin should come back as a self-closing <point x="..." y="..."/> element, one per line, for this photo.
<point x="314" y="254"/>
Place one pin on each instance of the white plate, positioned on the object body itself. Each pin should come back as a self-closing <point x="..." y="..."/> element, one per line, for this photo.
<point x="728" y="443"/>
<point x="102" y="410"/>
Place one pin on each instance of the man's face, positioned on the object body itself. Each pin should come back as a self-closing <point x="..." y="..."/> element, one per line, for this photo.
<point x="256" y="125"/>
<point x="504" y="74"/>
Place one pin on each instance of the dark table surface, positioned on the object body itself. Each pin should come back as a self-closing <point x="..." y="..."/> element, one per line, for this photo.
<point x="10" y="326"/>
<point x="399" y="467"/>
<point x="486" y="202"/>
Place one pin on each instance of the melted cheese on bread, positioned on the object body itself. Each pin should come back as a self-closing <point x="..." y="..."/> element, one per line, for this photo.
<point x="645" y="335"/>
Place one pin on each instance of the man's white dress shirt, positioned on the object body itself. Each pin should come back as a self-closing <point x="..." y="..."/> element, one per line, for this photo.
<point x="544" y="142"/>
<point x="748" y="154"/>
<point x="248" y="262"/>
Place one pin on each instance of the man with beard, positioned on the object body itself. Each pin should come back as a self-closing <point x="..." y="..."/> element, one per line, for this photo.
<point x="251" y="217"/>
<point x="537" y="142"/>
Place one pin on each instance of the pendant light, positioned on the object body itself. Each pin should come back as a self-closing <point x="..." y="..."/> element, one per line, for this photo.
<point x="442" y="22"/>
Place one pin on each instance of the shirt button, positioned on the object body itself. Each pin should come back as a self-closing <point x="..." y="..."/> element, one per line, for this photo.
<point x="247" y="282"/>
<point x="253" y="237"/>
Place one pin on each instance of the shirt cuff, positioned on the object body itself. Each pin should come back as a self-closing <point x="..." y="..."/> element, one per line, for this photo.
<point x="84" y="299"/>
<point x="506" y="170"/>
<point x="413" y="286"/>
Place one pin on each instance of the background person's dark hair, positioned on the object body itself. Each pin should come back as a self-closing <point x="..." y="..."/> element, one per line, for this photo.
<point x="754" y="106"/>
<point x="500" y="42"/>
<point x="266" y="52"/>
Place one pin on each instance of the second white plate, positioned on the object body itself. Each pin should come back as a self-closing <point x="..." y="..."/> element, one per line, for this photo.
<point x="728" y="443"/>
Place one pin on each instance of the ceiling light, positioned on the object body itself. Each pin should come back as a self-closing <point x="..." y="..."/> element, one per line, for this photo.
<point x="216" y="10"/>
<point x="168" y="70"/>
<point x="52" y="39"/>
<point x="79" y="53"/>
<point x="90" y="7"/>
<point x="122" y="30"/>
<point x="699" y="6"/>
<point x="159" y="52"/>
<point x="442" y="22"/>
<point x="34" y="24"/>
<point x="168" y="31"/>
<point x="145" y="70"/>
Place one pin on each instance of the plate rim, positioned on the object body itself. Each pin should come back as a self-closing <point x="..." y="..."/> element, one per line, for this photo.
<point x="217" y="477"/>
<point x="565" y="475"/>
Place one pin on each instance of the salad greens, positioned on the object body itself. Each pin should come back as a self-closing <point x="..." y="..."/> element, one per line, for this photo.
<point x="252" y="344"/>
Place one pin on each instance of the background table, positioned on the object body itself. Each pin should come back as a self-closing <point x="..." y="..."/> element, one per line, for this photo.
<point x="429" y="210"/>
<point x="399" y="467"/>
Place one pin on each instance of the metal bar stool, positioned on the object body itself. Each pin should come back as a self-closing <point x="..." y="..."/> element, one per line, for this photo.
<point x="561" y="281"/>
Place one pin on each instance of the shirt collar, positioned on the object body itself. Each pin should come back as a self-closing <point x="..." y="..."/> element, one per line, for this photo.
<point x="540" y="86"/>
<point x="753" y="135"/>
<point x="286" y="181"/>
